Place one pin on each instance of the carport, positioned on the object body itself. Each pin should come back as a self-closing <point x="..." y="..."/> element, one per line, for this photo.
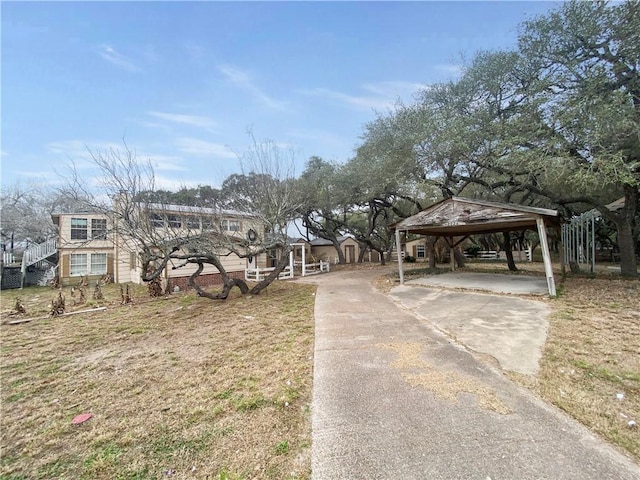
<point x="456" y="218"/>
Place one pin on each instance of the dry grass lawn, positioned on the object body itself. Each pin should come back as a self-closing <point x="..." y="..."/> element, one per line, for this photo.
<point x="592" y="355"/>
<point x="179" y="387"/>
<point x="183" y="387"/>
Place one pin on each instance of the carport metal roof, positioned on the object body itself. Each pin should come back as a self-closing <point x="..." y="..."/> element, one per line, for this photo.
<point x="461" y="217"/>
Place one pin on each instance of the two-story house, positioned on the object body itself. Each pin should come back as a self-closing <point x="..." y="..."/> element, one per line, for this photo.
<point x="90" y="245"/>
<point x="85" y="246"/>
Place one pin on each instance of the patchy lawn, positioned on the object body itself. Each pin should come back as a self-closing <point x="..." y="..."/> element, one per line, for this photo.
<point x="179" y="387"/>
<point x="591" y="362"/>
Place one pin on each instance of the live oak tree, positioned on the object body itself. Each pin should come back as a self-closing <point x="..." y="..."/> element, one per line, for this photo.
<point x="586" y="56"/>
<point x="321" y="202"/>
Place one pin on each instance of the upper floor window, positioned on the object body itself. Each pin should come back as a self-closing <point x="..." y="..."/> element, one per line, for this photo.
<point x="99" y="228"/>
<point x="230" y="225"/>
<point x="156" y="220"/>
<point x="192" y="223"/>
<point x="79" y="228"/>
<point x="208" y="224"/>
<point x="174" y="221"/>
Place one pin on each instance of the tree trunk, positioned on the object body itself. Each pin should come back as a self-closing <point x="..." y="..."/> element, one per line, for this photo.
<point x="228" y="282"/>
<point x="625" y="222"/>
<point x="431" y="244"/>
<point x="336" y="245"/>
<point x="507" y="250"/>
<point x="628" y="232"/>
<point x="628" y="264"/>
<point x="459" y="257"/>
<point x="282" y="263"/>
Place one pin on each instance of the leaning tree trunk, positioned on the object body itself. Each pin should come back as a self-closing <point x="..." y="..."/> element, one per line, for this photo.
<point x="336" y="245"/>
<point x="227" y="282"/>
<point x="282" y="263"/>
<point x="508" y="251"/>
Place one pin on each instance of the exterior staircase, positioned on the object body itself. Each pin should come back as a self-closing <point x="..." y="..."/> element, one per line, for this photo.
<point x="37" y="256"/>
<point x="35" y="267"/>
<point x="39" y="252"/>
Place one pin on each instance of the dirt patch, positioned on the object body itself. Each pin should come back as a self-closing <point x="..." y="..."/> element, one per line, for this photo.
<point x="445" y="384"/>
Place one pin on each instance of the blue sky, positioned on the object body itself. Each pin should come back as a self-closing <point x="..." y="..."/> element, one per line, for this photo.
<point x="183" y="82"/>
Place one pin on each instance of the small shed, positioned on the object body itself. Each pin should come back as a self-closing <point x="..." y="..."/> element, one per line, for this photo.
<point x="459" y="217"/>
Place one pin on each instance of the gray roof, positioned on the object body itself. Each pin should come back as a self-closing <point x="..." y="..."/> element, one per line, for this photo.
<point x="320" y="242"/>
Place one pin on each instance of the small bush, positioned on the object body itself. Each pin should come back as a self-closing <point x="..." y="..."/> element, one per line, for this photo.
<point x="473" y="250"/>
<point x="409" y="259"/>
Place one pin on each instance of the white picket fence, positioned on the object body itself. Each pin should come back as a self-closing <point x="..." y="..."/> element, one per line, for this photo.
<point x="259" y="274"/>
<point x="314" y="268"/>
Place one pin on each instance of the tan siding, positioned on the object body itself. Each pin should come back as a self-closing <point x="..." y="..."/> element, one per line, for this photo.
<point x="65" y="265"/>
<point x="110" y="263"/>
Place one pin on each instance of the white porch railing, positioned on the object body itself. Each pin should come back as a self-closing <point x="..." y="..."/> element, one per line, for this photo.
<point x="314" y="268"/>
<point x="259" y="274"/>
<point x="8" y="258"/>
<point x="38" y="252"/>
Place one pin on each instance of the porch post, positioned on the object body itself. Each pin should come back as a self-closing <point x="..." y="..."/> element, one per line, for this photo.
<point x="291" y="263"/>
<point x="544" y="244"/>
<point x="304" y="261"/>
<point x="399" y="250"/>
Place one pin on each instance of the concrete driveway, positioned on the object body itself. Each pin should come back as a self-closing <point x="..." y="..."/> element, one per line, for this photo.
<point x="393" y="397"/>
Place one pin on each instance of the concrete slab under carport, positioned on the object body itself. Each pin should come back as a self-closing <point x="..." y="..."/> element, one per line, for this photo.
<point x="510" y="329"/>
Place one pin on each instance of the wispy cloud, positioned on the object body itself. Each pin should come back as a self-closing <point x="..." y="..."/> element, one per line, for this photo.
<point x="375" y="96"/>
<point x="166" y="163"/>
<point x="193" y="120"/>
<point x="449" y="69"/>
<point x="118" y="59"/>
<point x="201" y="148"/>
<point x="242" y="80"/>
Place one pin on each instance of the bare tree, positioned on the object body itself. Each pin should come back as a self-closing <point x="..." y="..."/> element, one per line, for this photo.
<point x="197" y="239"/>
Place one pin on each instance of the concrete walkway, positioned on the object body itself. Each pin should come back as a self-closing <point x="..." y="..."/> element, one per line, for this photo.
<point x="394" y="398"/>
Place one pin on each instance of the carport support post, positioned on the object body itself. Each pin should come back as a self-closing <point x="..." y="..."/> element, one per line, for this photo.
<point x="399" y="250"/>
<point x="546" y="258"/>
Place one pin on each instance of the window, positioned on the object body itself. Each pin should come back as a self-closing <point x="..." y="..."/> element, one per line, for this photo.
<point x="98" y="264"/>
<point x="174" y="221"/>
<point x="230" y="226"/>
<point x="192" y="223"/>
<point x="420" y="251"/>
<point x="207" y="224"/>
<point x="78" y="264"/>
<point x="78" y="229"/>
<point x="156" y="220"/>
<point x="99" y="228"/>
